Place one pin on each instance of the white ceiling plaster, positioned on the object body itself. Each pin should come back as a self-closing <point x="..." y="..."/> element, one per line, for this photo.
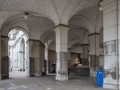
<point x="44" y="15"/>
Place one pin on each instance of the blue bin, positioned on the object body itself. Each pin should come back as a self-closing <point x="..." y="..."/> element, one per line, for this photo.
<point x="99" y="77"/>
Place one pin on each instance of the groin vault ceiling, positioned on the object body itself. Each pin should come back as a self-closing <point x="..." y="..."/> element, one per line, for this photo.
<point x="82" y="16"/>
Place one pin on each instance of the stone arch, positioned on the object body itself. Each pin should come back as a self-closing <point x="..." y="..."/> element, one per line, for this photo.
<point x="76" y="47"/>
<point x="52" y="45"/>
<point x="82" y="21"/>
<point x="6" y="29"/>
<point x="72" y="42"/>
<point x="21" y="29"/>
<point x="47" y="36"/>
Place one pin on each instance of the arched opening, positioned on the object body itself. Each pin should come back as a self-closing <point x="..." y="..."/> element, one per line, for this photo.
<point x="17" y="52"/>
<point x="22" y="55"/>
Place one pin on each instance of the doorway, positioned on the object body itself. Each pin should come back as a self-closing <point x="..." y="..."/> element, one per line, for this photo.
<point x="17" y="53"/>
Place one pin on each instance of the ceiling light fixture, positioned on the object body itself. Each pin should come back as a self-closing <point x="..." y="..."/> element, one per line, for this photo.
<point x="26" y="15"/>
<point x="100" y="7"/>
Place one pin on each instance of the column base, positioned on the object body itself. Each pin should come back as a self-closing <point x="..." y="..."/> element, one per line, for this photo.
<point x="92" y="72"/>
<point x="110" y="86"/>
<point x="92" y="75"/>
<point x="61" y="78"/>
<point x="27" y="74"/>
<point x="37" y="74"/>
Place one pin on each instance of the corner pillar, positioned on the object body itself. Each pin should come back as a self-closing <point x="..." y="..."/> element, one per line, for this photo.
<point x="111" y="28"/>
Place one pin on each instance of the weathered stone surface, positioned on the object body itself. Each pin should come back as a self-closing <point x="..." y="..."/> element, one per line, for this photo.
<point x="110" y="47"/>
<point x="94" y="60"/>
<point x="62" y="66"/>
<point x="4" y="66"/>
<point x="94" y="65"/>
<point x="85" y="61"/>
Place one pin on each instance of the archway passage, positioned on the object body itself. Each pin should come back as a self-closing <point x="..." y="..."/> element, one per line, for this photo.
<point x="17" y="53"/>
<point x="22" y="55"/>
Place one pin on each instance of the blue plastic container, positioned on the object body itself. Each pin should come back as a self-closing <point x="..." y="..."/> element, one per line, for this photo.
<point x="99" y="77"/>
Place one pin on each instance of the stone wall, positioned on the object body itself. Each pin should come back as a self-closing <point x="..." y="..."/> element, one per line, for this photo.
<point x="37" y="53"/>
<point x="52" y="59"/>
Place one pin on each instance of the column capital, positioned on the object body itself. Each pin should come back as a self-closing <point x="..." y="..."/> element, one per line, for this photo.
<point x="85" y="45"/>
<point x="94" y="34"/>
<point x="61" y="32"/>
<point x="4" y="37"/>
<point x="69" y="48"/>
<point x="61" y="27"/>
<point x="34" y="40"/>
<point x="106" y="2"/>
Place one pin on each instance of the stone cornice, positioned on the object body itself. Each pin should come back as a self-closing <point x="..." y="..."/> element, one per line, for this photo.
<point x="105" y="4"/>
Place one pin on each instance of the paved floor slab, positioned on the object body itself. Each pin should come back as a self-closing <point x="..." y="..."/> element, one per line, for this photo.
<point x="49" y="83"/>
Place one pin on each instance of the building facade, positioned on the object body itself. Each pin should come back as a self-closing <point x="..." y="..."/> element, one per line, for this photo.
<point x="17" y="50"/>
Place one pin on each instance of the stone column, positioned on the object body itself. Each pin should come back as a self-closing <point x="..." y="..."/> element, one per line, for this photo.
<point x="42" y="58"/>
<point x="36" y="58"/>
<point x="111" y="25"/>
<point x="101" y="61"/>
<point x="85" y="61"/>
<point x="62" y="52"/>
<point x="46" y="58"/>
<point x="28" y="55"/>
<point x="69" y="60"/>
<point x="4" y="57"/>
<point x="94" y="53"/>
<point x="5" y="45"/>
<point x="0" y="59"/>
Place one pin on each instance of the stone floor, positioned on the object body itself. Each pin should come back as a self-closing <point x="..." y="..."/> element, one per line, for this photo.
<point x="49" y="83"/>
<point x="14" y="74"/>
